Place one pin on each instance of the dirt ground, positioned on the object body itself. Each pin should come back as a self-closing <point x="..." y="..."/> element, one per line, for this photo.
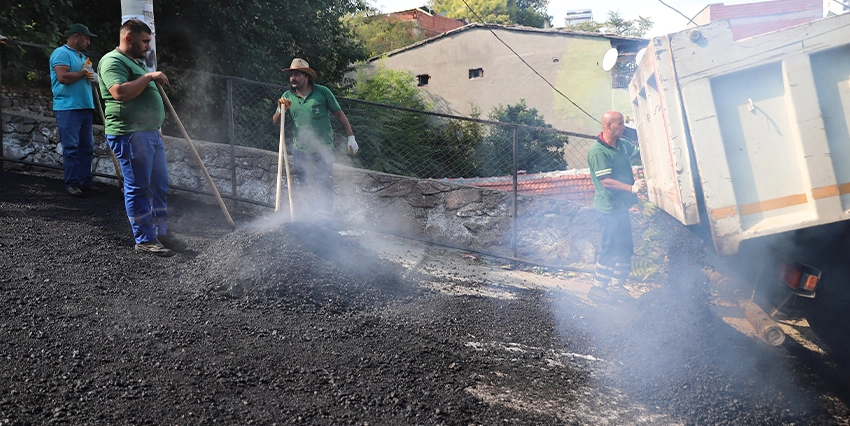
<point x="296" y="323"/>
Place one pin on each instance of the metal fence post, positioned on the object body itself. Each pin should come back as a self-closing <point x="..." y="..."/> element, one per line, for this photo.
<point x="232" y="139"/>
<point x="516" y="190"/>
<point x="2" y="149"/>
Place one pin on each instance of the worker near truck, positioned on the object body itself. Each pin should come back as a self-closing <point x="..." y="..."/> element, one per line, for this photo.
<point x="71" y="77"/>
<point x="609" y="159"/>
<point x="134" y="115"/>
<point x="310" y="104"/>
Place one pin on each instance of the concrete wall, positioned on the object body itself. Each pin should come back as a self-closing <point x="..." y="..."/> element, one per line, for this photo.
<point x="571" y="62"/>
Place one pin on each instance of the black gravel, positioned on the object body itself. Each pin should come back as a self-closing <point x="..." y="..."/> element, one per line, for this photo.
<point x="297" y="325"/>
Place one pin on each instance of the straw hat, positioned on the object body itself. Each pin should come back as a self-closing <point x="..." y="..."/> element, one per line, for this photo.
<point x="299" y="64"/>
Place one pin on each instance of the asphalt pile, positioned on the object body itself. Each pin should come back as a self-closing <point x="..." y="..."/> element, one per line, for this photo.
<point x="299" y="264"/>
<point x="296" y="324"/>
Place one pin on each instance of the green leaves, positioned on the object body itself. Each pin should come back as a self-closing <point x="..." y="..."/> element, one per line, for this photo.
<point x="530" y="13"/>
<point x="617" y="25"/>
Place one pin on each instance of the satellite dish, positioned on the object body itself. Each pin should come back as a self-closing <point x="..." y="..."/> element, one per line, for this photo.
<point x="639" y="55"/>
<point x="610" y="59"/>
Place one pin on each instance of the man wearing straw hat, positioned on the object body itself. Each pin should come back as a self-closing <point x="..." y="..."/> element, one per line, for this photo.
<point x="310" y="104"/>
<point x="134" y="115"/>
<point x="71" y="76"/>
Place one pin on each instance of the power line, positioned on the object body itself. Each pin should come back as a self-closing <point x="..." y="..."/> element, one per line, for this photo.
<point x="680" y="13"/>
<point x="529" y="65"/>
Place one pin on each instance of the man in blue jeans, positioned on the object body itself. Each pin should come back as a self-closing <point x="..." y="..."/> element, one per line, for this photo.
<point x="310" y="106"/>
<point x="134" y="115"/>
<point x="71" y="76"/>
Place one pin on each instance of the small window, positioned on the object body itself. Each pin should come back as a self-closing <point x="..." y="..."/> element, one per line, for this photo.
<point x="422" y="79"/>
<point x="476" y="73"/>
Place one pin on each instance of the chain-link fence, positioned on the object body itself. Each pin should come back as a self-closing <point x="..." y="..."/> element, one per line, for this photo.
<point x="392" y="139"/>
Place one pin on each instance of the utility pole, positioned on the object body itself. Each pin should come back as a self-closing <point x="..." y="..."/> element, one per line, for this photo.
<point x="143" y="11"/>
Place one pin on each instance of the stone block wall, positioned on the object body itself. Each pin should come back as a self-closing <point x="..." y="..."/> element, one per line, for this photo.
<point x="548" y="231"/>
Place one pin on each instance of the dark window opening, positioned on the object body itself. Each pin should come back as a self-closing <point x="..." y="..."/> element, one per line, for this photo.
<point x="476" y="73"/>
<point x="422" y="80"/>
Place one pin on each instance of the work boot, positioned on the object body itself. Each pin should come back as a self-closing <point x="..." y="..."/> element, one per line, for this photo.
<point x="75" y="191"/>
<point x="600" y="295"/>
<point x="154" y="247"/>
<point x="619" y="292"/>
<point x="171" y="241"/>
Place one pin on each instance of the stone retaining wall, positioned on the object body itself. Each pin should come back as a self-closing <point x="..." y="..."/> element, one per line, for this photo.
<point x="550" y="231"/>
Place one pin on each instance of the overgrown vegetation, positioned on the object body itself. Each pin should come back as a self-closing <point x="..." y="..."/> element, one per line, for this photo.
<point x="379" y="33"/>
<point x="530" y="13"/>
<point x="616" y="24"/>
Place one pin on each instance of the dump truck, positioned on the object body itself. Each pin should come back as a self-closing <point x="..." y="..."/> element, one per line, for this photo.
<point x="748" y="142"/>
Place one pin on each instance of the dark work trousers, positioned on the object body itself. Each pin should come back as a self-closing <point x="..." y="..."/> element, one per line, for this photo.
<point x="315" y="171"/>
<point x="615" y="258"/>
<point x="143" y="164"/>
<point x="75" y="134"/>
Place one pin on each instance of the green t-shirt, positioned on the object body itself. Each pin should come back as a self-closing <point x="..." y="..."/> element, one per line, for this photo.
<point x="605" y="160"/>
<point x="313" y="132"/>
<point x="140" y="114"/>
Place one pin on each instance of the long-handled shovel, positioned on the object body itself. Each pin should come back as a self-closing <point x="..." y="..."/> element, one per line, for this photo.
<point x="103" y="119"/>
<point x="195" y="152"/>
<point x="282" y="161"/>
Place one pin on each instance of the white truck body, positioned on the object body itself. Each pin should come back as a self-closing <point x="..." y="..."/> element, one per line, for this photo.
<point x="752" y="135"/>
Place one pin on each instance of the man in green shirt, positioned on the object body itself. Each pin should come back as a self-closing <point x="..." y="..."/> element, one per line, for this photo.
<point x="310" y="106"/>
<point x="609" y="159"/>
<point x="134" y="115"/>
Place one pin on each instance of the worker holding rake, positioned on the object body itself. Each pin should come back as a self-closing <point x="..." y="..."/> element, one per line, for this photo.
<point x="134" y="116"/>
<point x="310" y="106"/>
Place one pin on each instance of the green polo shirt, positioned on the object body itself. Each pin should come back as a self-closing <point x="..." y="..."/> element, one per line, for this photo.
<point x="605" y="160"/>
<point x="142" y="113"/>
<point x="313" y="132"/>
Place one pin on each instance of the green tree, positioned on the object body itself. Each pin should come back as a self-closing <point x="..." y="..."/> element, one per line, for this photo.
<point x="617" y="25"/>
<point x="379" y="33"/>
<point x="406" y="142"/>
<point x="395" y="143"/>
<point x="455" y="144"/>
<point x="539" y="151"/>
<point x="531" y="13"/>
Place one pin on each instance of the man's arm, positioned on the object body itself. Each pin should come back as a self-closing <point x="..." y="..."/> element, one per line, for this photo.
<point x="610" y="183"/>
<point x="65" y="76"/>
<point x="129" y="90"/>
<point x="344" y="121"/>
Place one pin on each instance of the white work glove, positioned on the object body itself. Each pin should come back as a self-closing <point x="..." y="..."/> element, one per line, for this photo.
<point x="89" y="69"/>
<point x="639" y="185"/>
<point x="352" y="145"/>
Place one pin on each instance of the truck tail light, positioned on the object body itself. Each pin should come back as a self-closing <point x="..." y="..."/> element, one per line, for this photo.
<point x="801" y="279"/>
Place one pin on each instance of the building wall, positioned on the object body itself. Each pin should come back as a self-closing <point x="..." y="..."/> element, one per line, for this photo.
<point x="570" y="62"/>
<point x="752" y="19"/>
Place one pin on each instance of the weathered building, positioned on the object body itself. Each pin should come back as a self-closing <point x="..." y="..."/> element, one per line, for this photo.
<point x="485" y="65"/>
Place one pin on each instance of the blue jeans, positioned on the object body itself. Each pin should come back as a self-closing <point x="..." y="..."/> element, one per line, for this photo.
<point x="75" y="134"/>
<point x="315" y="171"/>
<point x="142" y="159"/>
<point x="615" y="257"/>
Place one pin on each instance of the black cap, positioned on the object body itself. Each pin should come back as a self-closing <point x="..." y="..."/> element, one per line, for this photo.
<point x="79" y="28"/>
